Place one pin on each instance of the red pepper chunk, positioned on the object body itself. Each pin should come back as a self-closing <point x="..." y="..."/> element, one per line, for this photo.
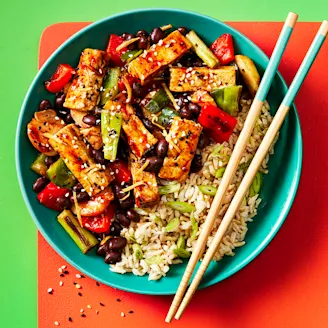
<point x="217" y="124"/>
<point x="121" y="85"/>
<point x="223" y="49"/>
<point x="121" y="171"/>
<point x="100" y="223"/>
<point x="60" y="78"/>
<point x="113" y="43"/>
<point x="49" y="195"/>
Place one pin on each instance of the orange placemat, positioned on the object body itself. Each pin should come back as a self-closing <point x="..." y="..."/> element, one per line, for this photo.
<point x="286" y="286"/>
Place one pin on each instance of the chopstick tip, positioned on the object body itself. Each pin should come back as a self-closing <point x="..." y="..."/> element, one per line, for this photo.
<point x="291" y="19"/>
<point x="324" y="28"/>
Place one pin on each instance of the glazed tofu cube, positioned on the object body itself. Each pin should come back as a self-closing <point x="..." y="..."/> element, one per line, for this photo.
<point x="140" y="139"/>
<point x="146" y="194"/>
<point x="83" y="93"/>
<point x="68" y="142"/>
<point x="201" y="98"/>
<point x="183" y="138"/>
<point x="183" y="79"/>
<point x="160" y="55"/>
<point x="93" y="136"/>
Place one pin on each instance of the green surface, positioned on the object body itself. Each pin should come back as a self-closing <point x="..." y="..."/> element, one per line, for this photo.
<point x="21" y="25"/>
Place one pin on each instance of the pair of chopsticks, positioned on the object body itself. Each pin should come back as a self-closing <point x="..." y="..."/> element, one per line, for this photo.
<point x="180" y="303"/>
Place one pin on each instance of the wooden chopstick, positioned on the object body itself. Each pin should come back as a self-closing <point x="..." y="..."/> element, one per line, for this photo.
<point x="235" y="159"/>
<point x="257" y="160"/>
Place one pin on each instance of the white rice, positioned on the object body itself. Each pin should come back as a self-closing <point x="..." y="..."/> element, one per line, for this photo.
<point x="158" y="246"/>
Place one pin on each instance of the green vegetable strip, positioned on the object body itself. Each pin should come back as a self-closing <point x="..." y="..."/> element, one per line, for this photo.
<point x="202" y="51"/>
<point x="156" y="259"/>
<point x="219" y="173"/>
<point x="83" y="238"/>
<point x="166" y="117"/>
<point x="169" y="189"/>
<point x="38" y="166"/>
<point x="227" y="98"/>
<point x="208" y="190"/>
<point x="172" y="225"/>
<point x="158" y="101"/>
<point x="137" y="251"/>
<point x="130" y="55"/>
<point x="194" y="227"/>
<point x="182" y="207"/>
<point x="110" y="85"/>
<point x="111" y="123"/>
<point x="180" y="252"/>
<point x="60" y="175"/>
<point x="256" y="185"/>
<point x="181" y="243"/>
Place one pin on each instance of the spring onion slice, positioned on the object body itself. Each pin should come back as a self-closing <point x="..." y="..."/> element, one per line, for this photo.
<point x="154" y="260"/>
<point x="256" y="185"/>
<point x="182" y="207"/>
<point x="208" y="190"/>
<point x="172" y="225"/>
<point x="180" y="252"/>
<point x="137" y="251"/>
<point x="194" y="227"/>
<point x="169" y="189"/>
<point x="219" y="172"/>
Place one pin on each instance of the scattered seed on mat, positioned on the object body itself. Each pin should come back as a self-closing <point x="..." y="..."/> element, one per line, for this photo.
<point x="102" y="304"/>
<point x="78" y="276"/>
<point x="63" y="267"/>
<point x="97" y="283"/>
<point x="131" y="312"/>
<point x="81" y="310"/>
<point x="78" y="286"/>
<point x="50" y="290"/>
<point x="62" y="275"/>
<point x="89" y="306"/>
<point x="80" y="294"/>
<point x="122" y="314"/>
<point x="83" y="315"/>
<point x="118" y="300"/>
<point x="66" y="272"/>
<point x="70" y="319"/>
<point x="97" y="312"/>
<point x="61" y="283"/>
<point x="56" y="323"/>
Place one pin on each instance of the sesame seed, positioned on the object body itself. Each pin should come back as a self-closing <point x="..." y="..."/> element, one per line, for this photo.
<point x="188" y="75"/>
<point x="82" y="190"/>
<point x="122" y="314"/>
<point x="98" y="121"/>
<point x="89" y="306"/>
<point x="116" y="171"/>
<point x="75" y="146"/>
<point x="179" y="65"/>
<point x="150" y="59"/>
<point x="57" y="118"/>
<point x="62" y="122"/>
<point x="67" y="194"/>
<point x="122" y="183"/>
<point x="192" y="82"/>
<point x="83" y="315"/>
<point x="140" y="139"/>
<point x="167" y="46"/>
<point x="78" y="286"/>
<point x="155" y="53"/>
<point x="100" y="70"/>
<point x="60" y="270"/>
<point x="56" y="323"/>
<point x="159" y="63"/>
<point x="78" y="276"/>
<point x="131" y="311"/>
<point x="97" y="283"/>
<point x="102" y="304"/>
<point x="81" y="310"/>
<point x="50" y="290"/>
<point x="101" y="88"/>
<point x="205" y="77"/>
<point x="70" y="319"/>
<point x="104" y="167"/>
<point x="61" y="283"/>
<point x="160" y="42"/>
<point x="80" y="294"/>
<point x="118" y="300"/>
<point x="112" y="173"/>
<point x="148" y="145"/>
<point x="97" y="312"/>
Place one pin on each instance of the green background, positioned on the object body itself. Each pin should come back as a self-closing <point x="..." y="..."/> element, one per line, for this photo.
<point x="21" y="24"/>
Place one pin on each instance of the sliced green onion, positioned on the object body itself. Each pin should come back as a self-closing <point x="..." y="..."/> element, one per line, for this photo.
<point x="181" y="243"/>
<point x="172" y="225"/>
<point x="208" y="190"/>
<point x="256" y="185"/>
<point x="182" y="207"/>
<point x="158" y="221"/>
<point x="244" y="165"/>
<point x="140" y="211"/>
<point x="110" y="85"/>
<point x="180" y="252"/>
<point x="169" y="189"/>
<point x="154" y="260"/>
<point x="215" y="152"/>
<point x="158" y="101"/>
<point x="131" y="54"/>
<point x="194" y="227"/>
<point x="133" y="239"/>
<point x="219" y="172"/>
<point x="137" y="251"/>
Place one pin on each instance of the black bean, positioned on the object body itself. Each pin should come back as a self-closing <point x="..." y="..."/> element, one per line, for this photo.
<point x="97" y="110"/>
<point x="143" y="42"/>
<point x="113" y="257"/>
<point x="78" y="187"/>
<point x="154" y="165"/>
<point x="82" y="197"/>
<point x="119" y="194"/>
<point x="156" y="35"/>
<point x="44" y="104"/>
<point x="40" y="184"/>
<point x="185" y="113"/>
<point x="115" y="229"/>
<point x="90" y="119"/>
<point x="196" y="164"/>
<point x="148" y="124"/>
<point x="126" y="203"/>
<point x="138" y="90"/>
<point x="124" y="35"/>
<point x="130" y="36"/>
<point x="68" y="119"/>
<point x="182" y="100"/>
<point x="141" y="33"/>
<point x="194" y="108"/>
<point x="50" y="160"/>
<point x="123" y="151"/>
<point x="60" y="99"/>
<point x="122" y="219"/>
<point x="63" y="112"/>
<point x="203" y="141"/>
<point x="183" y="30"/>
<point x="162" y="148"/>
<point x="98" y="156"/>
<point x="117" y="243"/>
<point x="63" y="202"/>
<point x="102" y="249"/>
<point x="132" y="215"/>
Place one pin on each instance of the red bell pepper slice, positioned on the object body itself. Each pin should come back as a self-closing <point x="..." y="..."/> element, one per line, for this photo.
<point x="100" y="223"/>
<point x="60" y="78"/>
<point x="113" y="43"/>
<point x="121" y="171"/>
<point x="49" y="195"/>
<point x="217" y="124"/>
<point x="223" y="49"/>
<point x="121" y="85"/>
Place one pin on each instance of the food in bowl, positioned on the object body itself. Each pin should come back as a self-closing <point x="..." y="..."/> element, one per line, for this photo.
<point x="135" y="147"/>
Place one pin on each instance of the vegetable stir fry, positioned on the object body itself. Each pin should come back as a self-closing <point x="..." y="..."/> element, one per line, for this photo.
<point x="128" y="126"/>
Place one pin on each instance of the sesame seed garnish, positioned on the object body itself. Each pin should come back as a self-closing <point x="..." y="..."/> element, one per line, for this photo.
<point x="100" y="70"/>
<point x="60" y="270"/>
<point x="97" y="312"/>
<point x="102" y="304"/>
<point x="70" y="319"/>
<point x="122" y="314"/>
<point x="81" y="310"/>
<point x="80" y="294"/>
<point x="50" y="290"/>
<point x="78" y="276"/>
<point x="61" y="283"/>
<point x="160" y="42"/>
<point x="78" y="286"/>
<point x="75" y="146"/>
<point x="97" y="283"/>
<point x="67" y="194"/>
<point x="83" y="315"/>
<point x="62" y="122"/>
<point x="150" y="59"/>
<point x="57" y="118"/>
<point x="56" y="323"/>
<point x="118" y="300"/>
<point x="89" y="306"/>
<point x="104" y="167"/>
<point x="131" y="311"/>
<point x="62" y="275"/>
<point x="155" y="53"/>
<point x="102" y="188"/>
<point x="66" y="272"/>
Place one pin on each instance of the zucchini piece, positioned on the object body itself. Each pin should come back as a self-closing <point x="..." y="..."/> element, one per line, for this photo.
<point x="130" y="55"/>
<point x="227" y="98"/>
<point x="39" y="166"/>
<point x="158" y="101"/>
<point x="60" y="175"/>
<point x="202" y="51"/>
<point x="111" y="123"/>
<point x="166" y="117"/>
<point x="110" y="85"/>
<point x="83" y="238"/>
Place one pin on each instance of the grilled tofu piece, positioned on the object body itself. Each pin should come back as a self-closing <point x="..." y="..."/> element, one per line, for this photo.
<point x="161" y="54"/>
<point x="184" y="135"/>
<point x="146" y="194"/>
<point x="93" y="136"/>
<point x="83" y="93"/>
<point x="44" y="122"/>
<point x="183" y="79"/>
<point x="68" y="142"/>
<point x="140" y="139"/>
<point x="201" y="98"/>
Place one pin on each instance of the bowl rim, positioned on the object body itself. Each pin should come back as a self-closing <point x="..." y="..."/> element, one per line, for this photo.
<point x="275" y="228"/>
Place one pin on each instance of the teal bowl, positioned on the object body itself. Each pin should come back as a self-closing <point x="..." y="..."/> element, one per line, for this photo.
<point x="277" y="194"/>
